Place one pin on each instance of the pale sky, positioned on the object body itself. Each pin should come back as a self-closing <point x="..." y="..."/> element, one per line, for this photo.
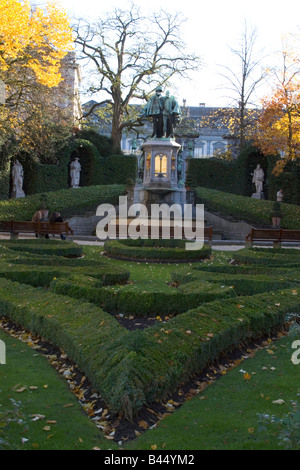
<point x="211" y="28"/>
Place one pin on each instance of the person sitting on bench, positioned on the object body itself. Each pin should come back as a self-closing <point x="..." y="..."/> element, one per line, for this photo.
<point x="41" y="215"/>
<point x="56" y="217"/>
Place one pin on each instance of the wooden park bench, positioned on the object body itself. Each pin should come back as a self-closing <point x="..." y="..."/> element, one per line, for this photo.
<point x="39" y="228"/>
<point x="277" y="236"/>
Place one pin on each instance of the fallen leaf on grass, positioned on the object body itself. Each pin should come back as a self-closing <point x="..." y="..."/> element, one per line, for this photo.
<point x="143" y="424"/>
<point x="36" y="417"/>
<point x="247" y="376"/>
<point x="278" y="402"/>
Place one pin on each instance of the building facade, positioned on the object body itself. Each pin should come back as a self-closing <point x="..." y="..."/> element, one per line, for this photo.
<point x="198" y="138"/>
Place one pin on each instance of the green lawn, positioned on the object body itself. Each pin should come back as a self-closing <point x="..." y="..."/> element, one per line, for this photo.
<point x="30" y="387"/>
<point x="222" y="416"/>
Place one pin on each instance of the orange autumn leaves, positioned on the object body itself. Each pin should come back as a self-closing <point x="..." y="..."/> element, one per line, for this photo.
<point x="36" y="39"/>
<point x="279" y="126"/>
<point x="278" y="130"/>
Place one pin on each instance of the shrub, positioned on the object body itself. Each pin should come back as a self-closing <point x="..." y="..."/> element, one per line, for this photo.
<point x="101" y="142"/>
<point x="268" y="257"/>
<point x="68" y="202"/>
<point x="130" y="369"/>
<point x="142" y="303"/>
<point x="255" y="211"/>
<point x="157" y="250"/>
<point x="229" y="176"/>
<point x="43" y="246"/>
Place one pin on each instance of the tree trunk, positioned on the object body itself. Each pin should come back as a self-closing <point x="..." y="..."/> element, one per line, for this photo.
<point x="290" y="136"/>
<point x="242" y="126"/>
<point x="116" y="131"/>
<point x="116" y="136"/>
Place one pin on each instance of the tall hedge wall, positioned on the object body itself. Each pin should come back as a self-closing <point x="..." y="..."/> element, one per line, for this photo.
<point x="95" y="169"/>
<point x="229" y="176"/>
<point x="288" y="181"/>
<point x="4" y="180"/>
<point x="236" y="176"/>
<point x="214" y="173"/>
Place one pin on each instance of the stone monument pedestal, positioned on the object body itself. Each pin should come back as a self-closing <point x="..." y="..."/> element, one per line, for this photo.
<point x="258" y="195"/>
<point x="17" y="193"/>
<point x="161" y="183"/>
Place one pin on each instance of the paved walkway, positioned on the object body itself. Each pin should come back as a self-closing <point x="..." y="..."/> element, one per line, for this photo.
<point x="222" y="245"/>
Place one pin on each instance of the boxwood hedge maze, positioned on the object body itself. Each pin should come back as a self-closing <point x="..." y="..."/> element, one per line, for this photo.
<point x="75" y="298"/>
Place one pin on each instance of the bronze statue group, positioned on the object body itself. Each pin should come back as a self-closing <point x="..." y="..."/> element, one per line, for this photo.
<point x="165" y="113"/>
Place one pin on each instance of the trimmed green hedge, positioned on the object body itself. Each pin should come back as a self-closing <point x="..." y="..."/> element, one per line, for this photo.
<point x="39" y="262"/>
<point x="288" y="180"/>
<point x="235" y="176"/>
<point x="142" y="303"/>
<point x="246" y="285"/>
<point x="155" y="250"/>
<point x="68" y="202"/>
<point x="269" y="257"/>
<point x="43" y="246"/>
<point x="229" y="176"/>
<point x="44" y="276"/>
<point x="255" y="211"/>
<point x="215" y="173"/>
<point x="131" y="369"/>
<point x="4" y="177"/>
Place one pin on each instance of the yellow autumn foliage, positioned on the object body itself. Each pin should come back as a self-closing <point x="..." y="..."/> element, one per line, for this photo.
<point x="38" y="39"/>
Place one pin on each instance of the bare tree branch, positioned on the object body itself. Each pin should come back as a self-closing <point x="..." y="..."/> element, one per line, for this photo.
<point x="130" y="54"/>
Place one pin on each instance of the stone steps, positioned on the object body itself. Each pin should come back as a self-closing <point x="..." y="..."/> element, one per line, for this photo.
<point x="86" y="226"/>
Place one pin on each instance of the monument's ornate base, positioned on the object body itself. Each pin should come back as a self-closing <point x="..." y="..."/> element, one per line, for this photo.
<point x="17" y="194"/>
<point x="258" y="195"/>
<point x="161" y="178"/>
